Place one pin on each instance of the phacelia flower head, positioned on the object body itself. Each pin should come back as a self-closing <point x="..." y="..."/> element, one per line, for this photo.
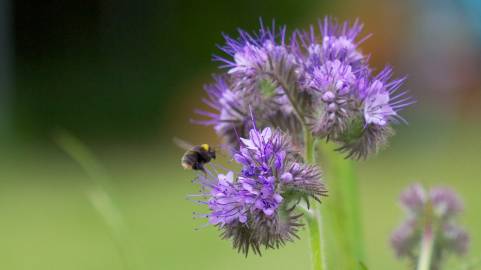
<point x="350" y="105"/>
<point x="259" y="70"/>
<point x="377" y="104"/>
<point x="433" y="212"/>
<point x="317" y="79"/>
<point x="256" y="207"/>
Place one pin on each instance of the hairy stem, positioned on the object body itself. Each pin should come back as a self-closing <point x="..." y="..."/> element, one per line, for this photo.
<point x="309" y="151"/>
<point x="314" y="219"/>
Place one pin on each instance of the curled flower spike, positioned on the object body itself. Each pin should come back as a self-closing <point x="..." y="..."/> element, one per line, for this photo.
<point x="435" y="210"/>
<point x="256" y="207"/>
<point x="334" y="82"/>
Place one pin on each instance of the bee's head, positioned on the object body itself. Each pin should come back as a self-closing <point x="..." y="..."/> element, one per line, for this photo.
<point x="209" y="150"/>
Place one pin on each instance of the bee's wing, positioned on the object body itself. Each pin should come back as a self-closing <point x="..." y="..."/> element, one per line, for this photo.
<point x="225" y="147"/>
<point x="182" y="144"/>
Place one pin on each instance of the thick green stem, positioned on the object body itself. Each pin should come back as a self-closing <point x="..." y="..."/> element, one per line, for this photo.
<point x="314" y="218"/>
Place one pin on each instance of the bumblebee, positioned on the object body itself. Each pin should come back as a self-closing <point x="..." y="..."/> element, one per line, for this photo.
<point x="197" y="156"/>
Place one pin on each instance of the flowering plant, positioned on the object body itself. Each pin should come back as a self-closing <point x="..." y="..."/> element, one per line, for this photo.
<point x="284" y="101"/>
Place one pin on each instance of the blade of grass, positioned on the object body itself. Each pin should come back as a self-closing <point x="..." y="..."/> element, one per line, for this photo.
<point x="100" y="193"/>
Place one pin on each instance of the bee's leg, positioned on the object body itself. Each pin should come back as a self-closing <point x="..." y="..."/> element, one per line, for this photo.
<point x="201" y="168"/>
<point x="203" y="174"/>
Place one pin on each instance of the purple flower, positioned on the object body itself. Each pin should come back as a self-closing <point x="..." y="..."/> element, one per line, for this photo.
<point x="339" y="41"/>
<point x="405" y="238"/>
<point x="443" y="202"/>
<point x="247" y="59"/>
<point x="334" y="85"/>
<point x="336" y="42"/>
<point x="376" y="105"/>
<point x="250" y="53"/>
<point x="435" y="209"/>
<point x="331" y="78"/>
<point x="231" y="116"/>
<point x="226" y="204"/>
<point x="270" y="167"/>
<point x="318" y="79"/>
<point x="381" y="100"/>
<point x="414" y="198"/>
<point x="256" y="207"/>
<point x="446" y="203"/>
<point x="259" y="67"/>
<point x="377" y="101"/>
<point x="456" y="239"/>
<point x="349" y="105"/>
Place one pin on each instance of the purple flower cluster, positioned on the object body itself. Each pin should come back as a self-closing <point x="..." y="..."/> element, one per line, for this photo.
<point x="252" y="82"/>
<point x="436" y="208"/>
<point x="256" y="207"/>
<point x="352" y="106"/>
<point x="317" y="79"/>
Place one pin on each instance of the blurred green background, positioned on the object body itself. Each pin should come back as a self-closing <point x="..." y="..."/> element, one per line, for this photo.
<point x="125" y="76"/>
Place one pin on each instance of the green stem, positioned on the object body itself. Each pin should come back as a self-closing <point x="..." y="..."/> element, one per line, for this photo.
<point x="288" y="92"/>
<point x="343" y="209"/>
<point x="427" y="242"/>
<point x="310" y="147"/>
<point x="314" y="218"/>
<point x="314" y="223"/>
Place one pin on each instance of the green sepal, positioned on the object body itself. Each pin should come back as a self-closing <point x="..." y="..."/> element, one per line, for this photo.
<point x="354" y="131"/>
<point x="267" y="87"/>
